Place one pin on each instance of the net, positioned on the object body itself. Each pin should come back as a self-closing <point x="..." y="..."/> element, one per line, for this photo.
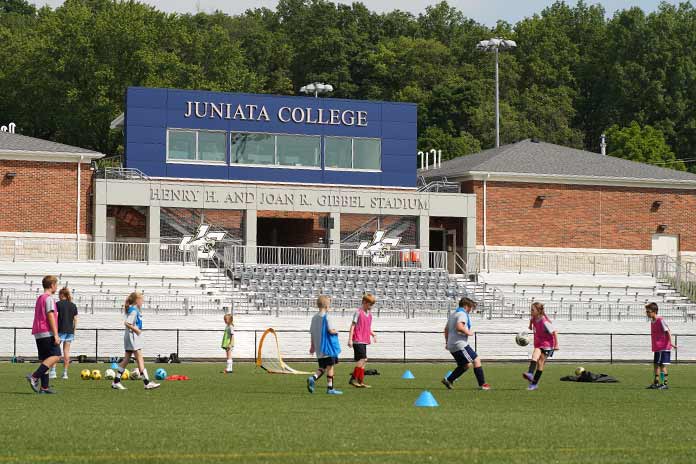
<point x="269" y="357"/>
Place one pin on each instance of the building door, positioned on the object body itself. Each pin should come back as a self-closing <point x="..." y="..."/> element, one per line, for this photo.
<point x="451" y="248"/>
<point x="664" y="244"/>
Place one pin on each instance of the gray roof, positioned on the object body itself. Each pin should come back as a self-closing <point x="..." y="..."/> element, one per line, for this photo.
<point x="17" y="143"/>
<point x="546" y="159"/>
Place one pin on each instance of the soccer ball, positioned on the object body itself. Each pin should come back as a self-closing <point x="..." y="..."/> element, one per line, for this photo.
<point x="522" y="339"/>
<point x="109" y="374"/>
<point x="579" y="371"/>
<point x="125" y="375"/>
<point x="135" y="374"/>
<point x="96" y="374"/>
<point x="85" y="374"/>
<point x="160" y="374"/>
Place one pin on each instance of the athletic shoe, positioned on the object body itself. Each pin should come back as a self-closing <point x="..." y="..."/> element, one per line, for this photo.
<point x="532" y="386"/>
<point x="151" y="386"/>
<point x="228" y="371"/>
<point x="653" y="386"/>
<point x="65" y="375"/>
<point x="52" y="374"/>
<point x="34" y="383"/>
<point x="47" y="391"/>
<point x="663" y="387"/>
<point x="528" y="377"/>
<point x="485" y="386"/>
<point x="310" y="384"/>
<point x="332" y="391"/>
<point x="118" y="386"/>
<point x="447" y="384"/>
<point x="354" y="382"/>
<point x="364" y="385"/>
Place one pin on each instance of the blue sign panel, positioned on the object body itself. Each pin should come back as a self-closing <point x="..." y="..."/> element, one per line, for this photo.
<point x="234" y="136"/>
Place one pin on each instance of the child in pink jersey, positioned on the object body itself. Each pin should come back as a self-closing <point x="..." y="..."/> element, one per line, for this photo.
<point x="359" y="337"/>
<point x="45" y="331"/>
<point x="545" y="343"/>
<point x="661" y="346"/>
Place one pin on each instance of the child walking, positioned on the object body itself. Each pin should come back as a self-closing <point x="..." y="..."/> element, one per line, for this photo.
<point x="324" y="342"/>
<point x="662" y="346"/>
<point x="67" y="324"/>
<point x="545" y="343"/>
<point x="133" y="342"/>
<point x="45" y="332"/>
<point x="228" y="341"/>
<point x="359" y="337"/>
<point x="457" y="333"/>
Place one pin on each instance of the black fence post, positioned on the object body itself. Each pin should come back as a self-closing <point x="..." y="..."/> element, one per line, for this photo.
<point x="177" y="342"/>
<point x="14" y="343"/>
<point x="475" y="341"/>
<point x="611" y="348"/>
<point x="96" y="345"/>
<point x="676" y="350"/>
<point x="404" y="345"/>
<point x="254" y="353"/>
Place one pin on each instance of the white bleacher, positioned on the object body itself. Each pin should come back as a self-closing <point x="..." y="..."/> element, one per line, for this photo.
<point x="589" y="296"/>
<point x="103" y="287"/>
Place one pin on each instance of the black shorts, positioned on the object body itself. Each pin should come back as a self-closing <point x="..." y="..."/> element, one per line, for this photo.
<point x="47" y="348"/>
<point x="546" y="352"/>
<point x="359" y="351"/>
<point x="465" y="356"/>
<point x="327" y="362"/>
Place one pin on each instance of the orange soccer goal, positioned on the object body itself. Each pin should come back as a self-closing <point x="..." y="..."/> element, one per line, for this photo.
<point x="269" y="357"/>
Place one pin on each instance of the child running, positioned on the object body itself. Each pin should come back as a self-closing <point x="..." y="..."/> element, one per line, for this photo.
<point x="545" y="343"/>
<point x="662" y="346"/>
<point x="324" y="342"/>
<point x="45" y="331"/>
<point x="133" y="342"/>
<point x="228" y="341"/>
<point x="457" y="333"/>
<point x="67" y="323"/>
<point x="359" y="337"/>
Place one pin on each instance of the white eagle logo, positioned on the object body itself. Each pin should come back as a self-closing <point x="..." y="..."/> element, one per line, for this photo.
<point x="378" y="248"/>
<point x="204" y="242"/>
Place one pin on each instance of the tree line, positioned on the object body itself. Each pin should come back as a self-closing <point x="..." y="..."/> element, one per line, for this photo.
<point x="576" y="73"/>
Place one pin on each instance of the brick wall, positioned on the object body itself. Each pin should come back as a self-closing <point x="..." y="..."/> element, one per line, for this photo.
<point x="42" y="197"/>
<point x="577" y="216"/>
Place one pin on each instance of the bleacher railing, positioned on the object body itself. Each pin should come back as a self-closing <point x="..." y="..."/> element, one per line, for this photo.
<point x="306" y="256"/>
<point x="680" y="275"/>
<point x="70" y="250"/>
<point x="558" y="263"/>
<point x="392" y="345"/>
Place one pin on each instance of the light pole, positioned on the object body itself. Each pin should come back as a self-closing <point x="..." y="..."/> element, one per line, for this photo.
<point x="494" y="45"/>
<point x="316" y="88"/>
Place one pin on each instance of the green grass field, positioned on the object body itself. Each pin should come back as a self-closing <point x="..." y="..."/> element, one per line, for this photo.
<point x="251" y="416"/>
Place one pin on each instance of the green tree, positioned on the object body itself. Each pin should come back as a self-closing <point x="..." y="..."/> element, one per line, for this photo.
<point x="643" y="144"/>
<point x="452" y="147"/>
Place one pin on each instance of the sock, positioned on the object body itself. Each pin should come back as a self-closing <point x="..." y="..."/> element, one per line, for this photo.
<point x="229" y="364"/>
<point x="478" y="372"/>
<point x="662" y="377"/>
<point x="362" y="375"/>
<point x="356" y="374"/>
<point x="456" y="373"/>
<point x="532" y="367"/>
<point x="41" y="370"/>
<point x="665" y="378"/>
<point x="119" y="373"/>
<point x="656" y="380"/>
<point x="317" y="375"/>
<point x="146" y="378"/>
<point x="44" y="381"/>
<point x="537" y="376"/>
<point x="53" y="370"/>
<point x="329" y="382"/>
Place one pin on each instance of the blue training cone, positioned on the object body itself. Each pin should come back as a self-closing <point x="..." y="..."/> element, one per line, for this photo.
<point x="426" y="400"/>
<point x="408" y="375"/>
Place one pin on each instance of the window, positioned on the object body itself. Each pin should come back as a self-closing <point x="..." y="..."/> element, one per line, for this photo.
<point x="338" y="152"/>
<point x="253" y="148"/>
<point x="298" y="150"/>
<point x="367" y="154"/>
<point x="203" y="146"/>
<point x="348" y="153"/>
<point x="212" y="146"/>
<point x="182" y="145"/>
